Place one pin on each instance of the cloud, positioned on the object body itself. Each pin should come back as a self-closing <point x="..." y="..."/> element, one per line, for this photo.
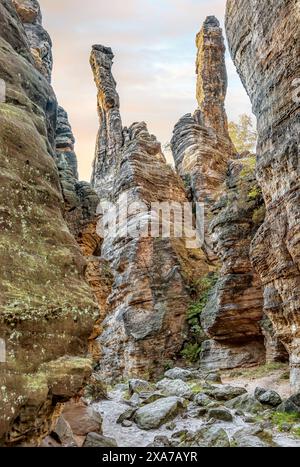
<point x="154" y="66"/>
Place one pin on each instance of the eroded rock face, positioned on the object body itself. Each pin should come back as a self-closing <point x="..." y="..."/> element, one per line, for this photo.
<point x="264" y="41"/>
<point x="40" y="42"/>
<point x="47" y="311"/>
<point x="201" y="144"/>
<point x="147" y="322"/>
<point x="234" y="310"/>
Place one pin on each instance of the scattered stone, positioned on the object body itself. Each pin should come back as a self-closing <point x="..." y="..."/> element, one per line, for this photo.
<point x="249" y="419"/>
<point x="246" y="403"/>
<point x="175" y="387"/>
<point x="253" y="438"/>
<point x="268" y="397"/>
<point x="180" y="373"/>
<point x="202" y="399"/>
<point x="214" y="378"/>
<point x="159" y="412"/>
<point x="153" y="397"/>
<point x="160" y="442"/>
<point x="127" y="423"/>
<point x="139" y="385"/>
<point x="64" y="433"/>
<point x="291" y="405"/>
<point x="82" y="419"/>
<point x="171" y="426"/>
<point x="179" y="434"/>
<point x="95" y="440"/>
<point x="207" y="437"/>
<point x="135" y="400"/>
<point x="194" y="411"/>
<point x="225" y="393"/>
<point x="121" y="387"/>
<point x="220" y="414"/>
<point x="127" y="415"/>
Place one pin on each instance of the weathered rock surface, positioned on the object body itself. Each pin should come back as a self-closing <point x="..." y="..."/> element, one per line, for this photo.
<point x="264" y="40"/>
<point x="224" y="393"/>
<point x="201" y="144"/>
<point x="47" y="311"/>
<point x="147" y="320"/>
<point x="290" y="405"/>
<point x="246" y="403"/>
<point x="234" y="310"/>
<point x="175" y="387"/>
<point x="94" y="440"/>
<point x="216" y="355"/>
<point x="40" y="42"/>
<point x="269" y="397"/>
<point x="156" y="414"/>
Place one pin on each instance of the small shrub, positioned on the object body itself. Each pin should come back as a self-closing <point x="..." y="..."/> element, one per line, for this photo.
<point x="259" y="215"/>
<point x="205" y="286"/>
<point x="191" y="352"/>
<point x="254" y="193"/>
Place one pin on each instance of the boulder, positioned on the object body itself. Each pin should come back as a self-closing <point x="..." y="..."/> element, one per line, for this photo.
<point x="175" y="387"/>
<point x="95" y="440"/>
<point x="225" y="393"/>
<point x="180" y="373"/>
<point x="246" y="403"/>
<point x="138" y="386"/>
<point x="202" y="399"/>
<point x="220" y="414"/>
<point x="291" y="405"/>
<point x="82" y="419"/>
<point x="159" y="412"/>
<point x="268" y="397"/>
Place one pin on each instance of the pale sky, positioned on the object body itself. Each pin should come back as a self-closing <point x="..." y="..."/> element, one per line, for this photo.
<point x="154" y="66"/>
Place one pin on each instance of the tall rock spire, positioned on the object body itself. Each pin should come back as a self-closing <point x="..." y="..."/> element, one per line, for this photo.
<point x="201" y="144"/>
<point x="212" y="75"/>
<point x="145" y="323"/>
<point x="110" y="139"/>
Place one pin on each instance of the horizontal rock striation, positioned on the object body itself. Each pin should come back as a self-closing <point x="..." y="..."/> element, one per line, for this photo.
<point x="47" y="312"/>
<point x="264" y="41"/>
<point x="147" y="321"/>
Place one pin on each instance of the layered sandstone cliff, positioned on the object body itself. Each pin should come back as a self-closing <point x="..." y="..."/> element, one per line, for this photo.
<point x="47" y="309"/>
<point x="233" y="314"/>
<point x="146" y="324"/>
<point x="264" y="41"/>
<point x="201" y="144"/>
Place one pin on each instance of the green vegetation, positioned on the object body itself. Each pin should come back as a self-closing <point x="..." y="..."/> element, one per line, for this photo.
<point x="202" y="288"/>
<point x="242" y="134"/>
<point x="296" y="431"/>
<point x="281" y="420"/>
<point x="254" y="193"/>
<point x="259" y="215"/>
<point x="249" y="167"/>
<point x="191" y="352"/>
<point x="205" y="286"/>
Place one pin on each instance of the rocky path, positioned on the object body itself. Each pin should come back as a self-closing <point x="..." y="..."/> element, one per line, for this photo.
<point x="185" y="409"/>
